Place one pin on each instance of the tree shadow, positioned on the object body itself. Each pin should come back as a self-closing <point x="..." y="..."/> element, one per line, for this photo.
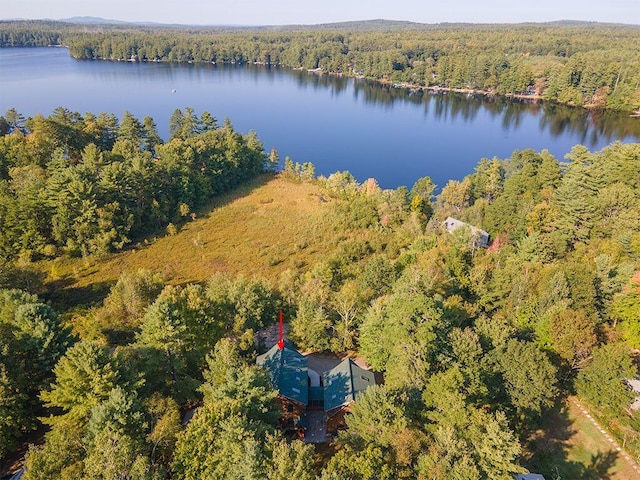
<point x="602" y="463"/>
<point x="64" y="297"/>
<point x="547" y="450"/>
<point x="227" y="197"/>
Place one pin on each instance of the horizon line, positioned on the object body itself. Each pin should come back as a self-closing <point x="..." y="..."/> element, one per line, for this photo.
<point x="112" y="21"/>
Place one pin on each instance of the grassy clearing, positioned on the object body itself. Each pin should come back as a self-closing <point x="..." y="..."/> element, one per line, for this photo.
<point x="570" y="447"/>
<point x="262" y="228"/>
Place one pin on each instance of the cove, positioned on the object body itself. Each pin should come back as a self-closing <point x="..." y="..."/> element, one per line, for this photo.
<point x="393" y="135"/>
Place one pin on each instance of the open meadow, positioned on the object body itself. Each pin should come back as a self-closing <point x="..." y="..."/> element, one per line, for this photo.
<point x="261" y="229"/>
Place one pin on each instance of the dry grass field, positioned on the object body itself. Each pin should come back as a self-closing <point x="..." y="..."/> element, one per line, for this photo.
<point x="262" y="228"/>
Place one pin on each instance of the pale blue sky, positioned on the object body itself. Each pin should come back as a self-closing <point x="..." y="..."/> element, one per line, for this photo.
<point x="281" y="12"/>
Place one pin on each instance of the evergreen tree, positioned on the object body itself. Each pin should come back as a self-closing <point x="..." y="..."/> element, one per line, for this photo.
<point x="131" y="129"/>
<point x="207" y="122"/>
<point x="529" y="379"/>
<point x="151" y="136"/>
<point x="84" y="377"/>
<point x="15" y="120"/>
<point x="108" y="127"/>
<point x="176" y="123"/>
<point x="115" y="439"/>
<point x="576" y="196"/>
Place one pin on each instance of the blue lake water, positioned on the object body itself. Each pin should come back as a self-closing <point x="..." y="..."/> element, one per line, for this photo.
<point x="372" y="130"/>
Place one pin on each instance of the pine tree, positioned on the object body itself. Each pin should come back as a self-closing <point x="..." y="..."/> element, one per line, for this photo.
<point x="575" y="198"/>
<point x="151" y="136"/>
<point x="84" y="377"/>
<point x="130" y="129"/>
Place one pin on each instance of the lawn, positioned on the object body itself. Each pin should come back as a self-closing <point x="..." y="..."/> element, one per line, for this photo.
<point x="570" y="447"/>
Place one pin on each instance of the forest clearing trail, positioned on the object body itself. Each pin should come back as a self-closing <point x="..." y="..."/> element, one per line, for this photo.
<point x="624" y="458"/>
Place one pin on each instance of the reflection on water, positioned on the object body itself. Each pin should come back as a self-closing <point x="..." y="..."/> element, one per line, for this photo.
<point x="395" y="135"/>
<point x="591" y="126"/>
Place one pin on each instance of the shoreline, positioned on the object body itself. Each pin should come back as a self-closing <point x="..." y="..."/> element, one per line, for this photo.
<point x="471" y="91"/>
<point x="533" y="98"/>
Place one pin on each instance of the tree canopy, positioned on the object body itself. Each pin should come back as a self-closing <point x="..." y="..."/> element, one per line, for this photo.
<point x="475" y="344"/>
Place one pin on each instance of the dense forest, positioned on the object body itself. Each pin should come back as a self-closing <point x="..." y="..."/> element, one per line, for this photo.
<point x="476" y="345"/>
<point x="89" y="184"/>
<point x="591" y="65"/>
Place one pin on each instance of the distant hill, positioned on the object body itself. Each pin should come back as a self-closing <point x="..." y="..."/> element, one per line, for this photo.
<point x="93" y="21"/>
<point x="108" y="21"/>
<point x="353" y="26"/>
<point x="362" y="25"/>
<point x="358" y="25"/>
<point x="381" y="24"/>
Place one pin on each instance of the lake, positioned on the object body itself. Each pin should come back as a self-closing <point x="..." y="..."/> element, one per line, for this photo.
<point x="372" y="130"/>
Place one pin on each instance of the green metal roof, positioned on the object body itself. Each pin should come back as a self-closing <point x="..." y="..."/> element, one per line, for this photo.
<point x="344" y="382"/>
<point x="288" y="370"/>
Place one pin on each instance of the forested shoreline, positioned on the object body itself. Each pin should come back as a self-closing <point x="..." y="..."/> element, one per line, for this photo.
<point x="584" y="65"/>
<point x="476" y="345"/>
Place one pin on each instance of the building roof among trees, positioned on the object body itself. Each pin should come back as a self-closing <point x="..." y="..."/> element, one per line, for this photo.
<point x="343" y="383"/>
<point x="480" y="236"/>
<point x="288" y="370"/>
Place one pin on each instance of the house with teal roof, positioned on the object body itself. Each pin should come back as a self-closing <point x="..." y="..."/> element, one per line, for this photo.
<point x="288" y="371"/>
<point x="343" y="384"/>
<point x="302" y="390"/>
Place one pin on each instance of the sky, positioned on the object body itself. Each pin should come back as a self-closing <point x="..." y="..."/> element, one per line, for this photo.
<point x="286" y="12"/>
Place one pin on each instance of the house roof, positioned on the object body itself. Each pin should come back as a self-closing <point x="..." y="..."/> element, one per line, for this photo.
<point x="528" y="476"/>
<point x="288" y="371"/>
<point x="344" y="383"/>
<point x="453" y="224"/>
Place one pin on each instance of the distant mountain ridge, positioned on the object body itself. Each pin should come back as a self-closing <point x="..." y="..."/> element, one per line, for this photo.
<point x="355" y="25"/>
<point x="107" y="21"/>
<point x="374" y="24"/>
<point x="93" y="20"/>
